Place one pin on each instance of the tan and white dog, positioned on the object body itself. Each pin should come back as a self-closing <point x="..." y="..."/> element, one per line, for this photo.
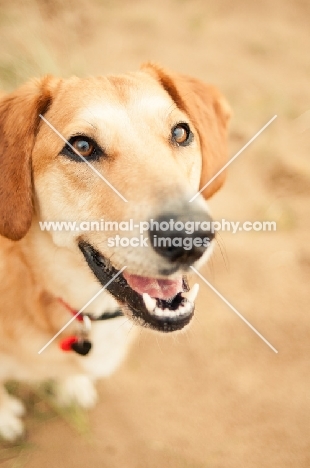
<point x="156" y="137"/>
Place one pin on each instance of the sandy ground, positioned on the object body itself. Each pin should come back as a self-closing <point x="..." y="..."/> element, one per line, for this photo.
<point x="216" y="396"/>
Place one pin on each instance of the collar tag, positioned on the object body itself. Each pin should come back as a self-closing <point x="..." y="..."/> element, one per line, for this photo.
<point x="81" y="347"/>
<point x="79" y="342"/>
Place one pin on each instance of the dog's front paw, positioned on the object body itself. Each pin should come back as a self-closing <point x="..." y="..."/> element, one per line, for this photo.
<point x="11" y="426"/>
<point x="78" y="389"/>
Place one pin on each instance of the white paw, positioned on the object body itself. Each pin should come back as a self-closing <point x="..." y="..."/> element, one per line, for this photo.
<point x="79" y="390"/>
<point x="11" y="426"/>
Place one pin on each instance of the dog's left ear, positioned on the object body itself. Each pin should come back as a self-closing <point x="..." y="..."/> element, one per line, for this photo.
<point x="19" y="122"/>
<point x="210" y="114"/>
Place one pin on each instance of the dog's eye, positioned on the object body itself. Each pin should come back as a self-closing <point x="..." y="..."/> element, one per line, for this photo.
<point x="85" y="147"/>
<point x="181" y="134"/>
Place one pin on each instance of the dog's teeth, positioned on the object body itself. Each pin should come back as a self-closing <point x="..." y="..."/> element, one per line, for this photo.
<point x="149" y="302"/>
<point x="183" y="310"/>
<point x="158" y="312"/>
<point x="192" y="294"/>
<point x="168" y="313"/>
<point x="188" y="307"/>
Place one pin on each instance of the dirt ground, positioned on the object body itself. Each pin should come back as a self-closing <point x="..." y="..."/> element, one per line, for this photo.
<point x="216" y="396"/>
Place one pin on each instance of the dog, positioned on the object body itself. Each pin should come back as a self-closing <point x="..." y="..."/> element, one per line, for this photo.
<point x="138" y="146"/>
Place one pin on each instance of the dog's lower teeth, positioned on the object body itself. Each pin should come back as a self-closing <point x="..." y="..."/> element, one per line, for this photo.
<point x="149" y="302"/>
<point x="159" y="312"/>
<point x="163" y="312"/>
<point x="155" y="306"/>
<point x="180" y="311"/>
<point x="188" y="307"/>
<point x="167" y="313"/>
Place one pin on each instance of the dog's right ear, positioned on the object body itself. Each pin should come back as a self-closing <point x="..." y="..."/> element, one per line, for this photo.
<point x="19" y="122"/>
<point x="210" y="113"/>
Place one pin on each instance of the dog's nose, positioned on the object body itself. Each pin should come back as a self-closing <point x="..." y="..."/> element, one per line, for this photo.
<point x="181" y="239"/>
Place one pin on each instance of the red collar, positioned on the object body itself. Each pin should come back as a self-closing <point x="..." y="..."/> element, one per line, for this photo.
<point x="71" y="310"/>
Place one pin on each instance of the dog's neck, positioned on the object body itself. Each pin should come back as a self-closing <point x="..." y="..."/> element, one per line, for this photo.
<point x="63" y="272"/>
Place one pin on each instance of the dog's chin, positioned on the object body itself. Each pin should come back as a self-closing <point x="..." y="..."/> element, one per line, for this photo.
<point x="164" y="305"/>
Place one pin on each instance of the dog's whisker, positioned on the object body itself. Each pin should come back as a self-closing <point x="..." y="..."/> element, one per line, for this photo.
<point x="220" y="242"/>
<point x="196" y="317"/>
<point x="92" y="125"/>
<point x="174" y="339"/>
<point x="210" y="266"/>
<point x="122" y="324"/>
<point x="159" y="345"/>
<point x="174" y="107"/>
<point x="127" y="337"/>
<point x="139" y="338"/>
<point x="186" y="334"/>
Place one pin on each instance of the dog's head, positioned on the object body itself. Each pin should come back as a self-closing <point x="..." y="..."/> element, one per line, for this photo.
<point x="149" y="141"/>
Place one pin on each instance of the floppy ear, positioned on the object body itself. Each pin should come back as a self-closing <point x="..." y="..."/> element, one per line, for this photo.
<point x="19" y="121"/>
<point x="210" y="114"/>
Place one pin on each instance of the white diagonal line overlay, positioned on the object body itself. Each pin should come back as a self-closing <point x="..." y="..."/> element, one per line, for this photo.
<point x="234" y="310"/>
<point x="83" y="159"/>
<point x="81" y="310"/>
<point x="233" y="158"/>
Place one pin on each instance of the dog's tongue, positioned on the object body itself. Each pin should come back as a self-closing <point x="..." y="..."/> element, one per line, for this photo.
<point x="159" y="288"/>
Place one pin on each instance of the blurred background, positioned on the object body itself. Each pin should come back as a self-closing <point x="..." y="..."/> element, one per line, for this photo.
<point x="215" y="396"/>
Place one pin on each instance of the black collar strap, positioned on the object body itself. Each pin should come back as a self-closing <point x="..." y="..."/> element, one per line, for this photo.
<point x="106" y="315"/>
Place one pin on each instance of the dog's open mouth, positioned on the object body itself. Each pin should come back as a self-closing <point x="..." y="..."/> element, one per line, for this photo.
<point x="161" y="304"/>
